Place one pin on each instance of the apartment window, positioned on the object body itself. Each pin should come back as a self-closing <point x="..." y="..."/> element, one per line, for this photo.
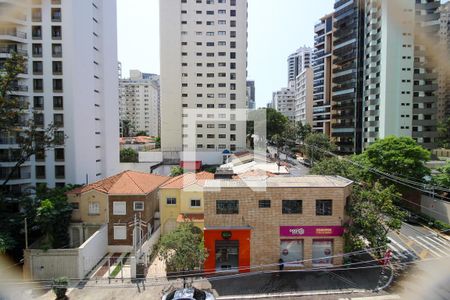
<point x="56" y="32"/>
<point x="56" y="50"/>
<point x="292" y="206"/>
<point x="232" y="127"/>
<point x="232" y="76"/>
<point x="210" y="136"/>
<point x="233" y="13"/>
<point x="210" y="12"/>
<point x="38" y="85"/>
<point x="222" y="136"/>
<point x="57" y="67"/>
<point x="60" y="172"/>
<point x="56" y="14"/>
<point x="37" y="67"/>
<point x="195" y="203"/>
<point x="210" y="44"/>
<point x="233" y="34"/>
<point x="222" y="126"/>
<point x="210" y="126"/>
<point x="36" y="15"/>
<point x="59" y="154"/>
<point x="222" y="33"/>
<point x="210" y="23"/>
<point x="232" y="147"/>
<point x="232" y="66"/>
<point x="58" y="120"/>
<point x="38" y="119"/>
<point x="184" y="11"/>
<point x="119" y="208"/>
<point x="59" y="137"/>
<point x="58" y="102"/>
<point x="233" y="45"/>
<point x="40" y="172"/>
<point x="37" y="50"/>
<point x="222" y="53"/>
<point x="120" y="232"/>
<point x="233" y="23"/>
<point x="199" y="146"/>
<point x="138" y="205"/>
<point x="264" y="204"/>
<point x="227" y="207"/>
<point x="232" y="2"/>
<point x="324" y="207"/>
<point x="57" y="85"/>
<point x="38" y="102"/>
<point x="94" y="208"/>
<point x="171" y="201"/>
<point x="222" y="11"/>
<point x="233" y="55"/>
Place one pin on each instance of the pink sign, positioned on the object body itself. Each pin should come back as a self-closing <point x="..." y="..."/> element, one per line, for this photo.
<point x="293" y="231"/>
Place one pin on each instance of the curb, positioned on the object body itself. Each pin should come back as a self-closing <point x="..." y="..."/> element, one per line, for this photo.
<point x="293" y="294"/>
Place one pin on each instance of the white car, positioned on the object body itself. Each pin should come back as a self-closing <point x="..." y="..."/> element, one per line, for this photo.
<point x="188" y="294"/>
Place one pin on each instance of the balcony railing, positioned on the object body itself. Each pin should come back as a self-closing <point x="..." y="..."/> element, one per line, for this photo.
<point x="13" y="32"/>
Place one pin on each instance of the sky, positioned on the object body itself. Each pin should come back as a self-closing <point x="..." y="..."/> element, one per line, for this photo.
<point x="276" y="28"/>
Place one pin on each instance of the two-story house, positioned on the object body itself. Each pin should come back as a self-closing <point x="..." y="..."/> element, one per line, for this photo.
<point x="181" y="198"/>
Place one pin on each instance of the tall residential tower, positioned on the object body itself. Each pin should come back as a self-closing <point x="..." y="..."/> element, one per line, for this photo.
<point x="203" y="77"/>
<point x="71" y="50"/>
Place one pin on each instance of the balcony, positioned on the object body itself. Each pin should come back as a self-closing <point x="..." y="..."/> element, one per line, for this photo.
<point x="12" y="32"/>
<point x="19" y="88"/>
<point x="12" y="49"/>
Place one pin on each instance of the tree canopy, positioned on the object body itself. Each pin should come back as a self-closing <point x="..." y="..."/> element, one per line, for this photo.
<point x="175" y="171"/>
<point x="315" y="146"/>
<point x="183" y="249"/>
<point x="443" y="176"/>
<point x="129" y="155"/>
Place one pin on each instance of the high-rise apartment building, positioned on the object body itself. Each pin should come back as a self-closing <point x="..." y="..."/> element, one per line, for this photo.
<point x="297" y="61"/>
<point x="444" y="66"/>
<point x="71" y="81"/>
<point x="284" y="102"/>
<point x="348" y="49"/>
<point x="303" y="104"/>
<point x="139" y="106"/>
<point x="203" y="76"/>
<point x="323" y="66"/>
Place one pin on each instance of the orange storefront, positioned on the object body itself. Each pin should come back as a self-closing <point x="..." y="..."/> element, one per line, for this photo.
<point x="228" y="249"/>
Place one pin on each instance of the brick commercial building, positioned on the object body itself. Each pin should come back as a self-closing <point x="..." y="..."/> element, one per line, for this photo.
<point x="297" y="219"/>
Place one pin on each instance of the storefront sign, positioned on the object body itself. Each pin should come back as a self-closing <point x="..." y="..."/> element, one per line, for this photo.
<point x="226" y="235"/>
<point x="293" y="231"/>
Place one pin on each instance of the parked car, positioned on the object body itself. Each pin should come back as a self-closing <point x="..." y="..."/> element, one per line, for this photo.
<point x="188" y="294"/>
<point x="412" y="219"/>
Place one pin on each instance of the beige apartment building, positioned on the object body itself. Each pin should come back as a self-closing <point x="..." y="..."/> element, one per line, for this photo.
<point x="304" y="97"/>
<point x="297" y="219"/>
<point x="203" y="78"/>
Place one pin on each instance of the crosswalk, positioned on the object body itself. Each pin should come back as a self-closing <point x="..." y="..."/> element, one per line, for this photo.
<point x="415" y="247"/>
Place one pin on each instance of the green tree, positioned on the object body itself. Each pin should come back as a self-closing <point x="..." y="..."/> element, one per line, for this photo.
<point x="400" y="156"/>
<point x="183" y="249"/>
<point x="276" y="123"/>
<point x="372" y="215"/>
<point x="302" y="131"/>
<point x="443" y="177"/>
<point x="157" y="142"/>
<point x="175" y="171"/>
<point x="53" y="217"/>
<point x="141" y="133"/>
<point x="444" y="133"/>
<point x="129" y="155"/>
<point x="15" y="121"/>
<point x="316" y="146"/>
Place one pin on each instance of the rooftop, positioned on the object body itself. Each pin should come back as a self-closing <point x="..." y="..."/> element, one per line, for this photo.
<point x="124" y="183"/>
<point x="187" y="179"/>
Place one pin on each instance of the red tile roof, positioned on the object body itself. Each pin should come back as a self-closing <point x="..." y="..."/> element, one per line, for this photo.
<point x="125" y="183"/>
<point x="187" y="179"/>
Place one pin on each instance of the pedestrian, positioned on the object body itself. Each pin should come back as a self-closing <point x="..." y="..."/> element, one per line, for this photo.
<point x="281" y="264"/>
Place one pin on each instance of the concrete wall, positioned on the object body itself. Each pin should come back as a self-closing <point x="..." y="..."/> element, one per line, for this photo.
<point x="72" y="263"/>
<point x="435" y="208"/>
<point x="155" y="157"/>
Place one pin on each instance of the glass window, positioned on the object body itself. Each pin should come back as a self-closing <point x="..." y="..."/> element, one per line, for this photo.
<point x="292" y="207"/>
<point x="94" y="208"/>
<point x="291" y="251"/>
<point x="324" y="207"/>
<point x="171" y="201"/>
<point x="119" y="208"/>
<point x="195" y="203"/>
<point x="120" y="232"/>
<point x="322" y="250"/>
<point x="227" y="207"/>
<point x="138" y="205"/>
<point x="264" y="203"/>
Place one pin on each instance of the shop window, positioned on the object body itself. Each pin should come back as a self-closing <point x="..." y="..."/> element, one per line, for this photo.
<point x="264" y="203"/>
<point x="120" y="232"/>
<point x="292" y="207"/>
<point x="227" y="255"/>
<point x="324" y="207"/>
<point x="227" y="207"/>
<point x="322" y="252"/>
<point x="291" y="251"/>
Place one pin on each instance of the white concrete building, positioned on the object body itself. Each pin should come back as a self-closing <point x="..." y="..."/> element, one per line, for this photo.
<point x="303" y="104"/>
<point x="139" y="103"/>
<point x="203" y="77"/>
<point x="444" y="67"/>
<point x="284" y="102"/>
<point x="297" y="61"/>
<point x="72" y="81"/>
